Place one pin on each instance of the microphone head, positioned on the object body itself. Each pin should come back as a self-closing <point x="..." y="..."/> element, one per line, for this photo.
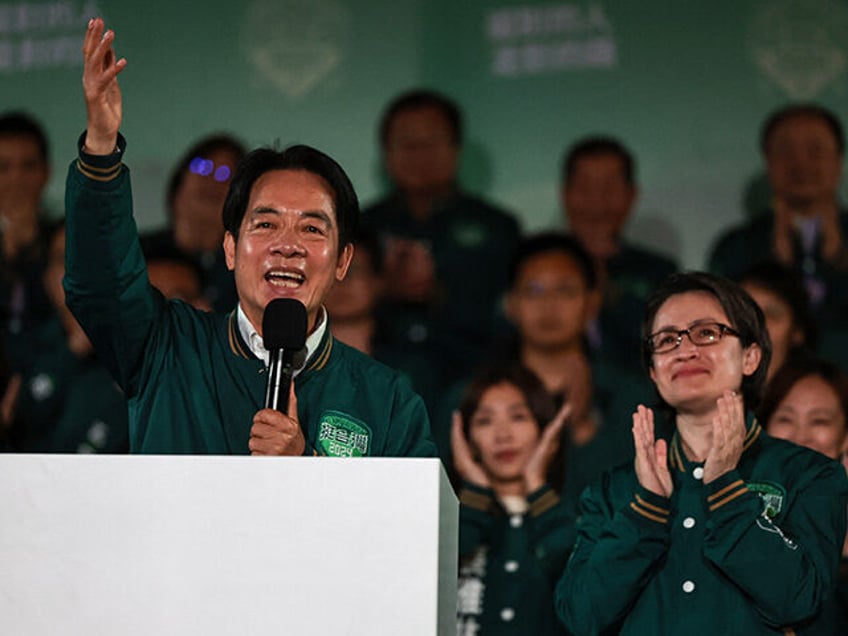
<point x="284" y="325"/>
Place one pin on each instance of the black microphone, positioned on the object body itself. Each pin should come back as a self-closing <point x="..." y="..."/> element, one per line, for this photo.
<point x="284" y="334"/>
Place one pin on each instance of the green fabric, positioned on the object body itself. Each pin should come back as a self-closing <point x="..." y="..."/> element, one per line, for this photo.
<point x="66" y="404"/>
<point x="752" y="574"/>
<point x="741" y="248"/>
<point x="191" y="383"/>
<point x="472" y="243"/>
<point x="509" y="565"/>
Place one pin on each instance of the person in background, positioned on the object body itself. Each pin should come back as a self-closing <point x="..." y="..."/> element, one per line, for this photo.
<point x="357" y="317"/>
<point x="176" y="275"/>
<point x="780" y="293"/>
<point x="445" y="250"/>
<point x="514" y="534"/>
<point x="551" y="301"/>
<point x="195" y="198"/>
<point x="62" y="398"/>
<point x="807" y="404"/>
<point x="803" y="146"/>
<point x="716" y="528"/>
<point x="598" y="194"/>
<point x="24" y="174"/>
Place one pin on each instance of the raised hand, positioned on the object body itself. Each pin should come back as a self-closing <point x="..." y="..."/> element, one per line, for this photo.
<point x="100" y="87"/>
<point x="651" y="455"/>
<point x="728" y="436"/>
<point x="535" y="472"/>
<point x="463" y="459"/>
<point x="275" y="433"/>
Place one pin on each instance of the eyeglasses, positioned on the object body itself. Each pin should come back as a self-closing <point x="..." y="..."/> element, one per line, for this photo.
<point x="702" y="335"/>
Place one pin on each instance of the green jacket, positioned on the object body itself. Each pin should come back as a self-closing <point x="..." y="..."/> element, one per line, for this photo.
<point x="191" y="382"/>
<point x="509" y="563"/>
<point x="754" y="552"/>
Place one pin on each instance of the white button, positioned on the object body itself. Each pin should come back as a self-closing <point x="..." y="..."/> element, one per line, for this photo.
<point x="511" y="566"/>
<point x="688" y="587"/>
<point x="688" y="522"/>
<point x="507" y="614"/>
<point x="516" y="521"/>
<point x="698" y="472"/>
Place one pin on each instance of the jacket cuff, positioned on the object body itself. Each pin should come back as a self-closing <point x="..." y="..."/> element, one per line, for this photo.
<point x="101" y="167"/>
<point x="725" y="489"/>
<point x="476" y="497"/>
<point x="647" y="506"/>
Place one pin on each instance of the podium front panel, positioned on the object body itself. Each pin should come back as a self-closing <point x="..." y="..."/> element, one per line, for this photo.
<point x="226" y="545"/>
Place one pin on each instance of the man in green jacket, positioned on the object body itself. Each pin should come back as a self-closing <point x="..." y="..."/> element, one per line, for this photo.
<point x="195" y="381"/>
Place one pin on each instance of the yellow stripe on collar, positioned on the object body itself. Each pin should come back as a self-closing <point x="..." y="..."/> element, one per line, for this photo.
<point x="235" y="339"/>
<point x="319" y="360"/>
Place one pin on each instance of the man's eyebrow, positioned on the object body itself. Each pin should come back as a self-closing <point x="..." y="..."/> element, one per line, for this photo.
<point x="319" y="215"/>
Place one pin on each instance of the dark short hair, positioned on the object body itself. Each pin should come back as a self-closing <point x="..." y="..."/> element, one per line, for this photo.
<point x="20" y="124"/>
<point x="419" y="99"/>
<point x="745" y="317"/>
<point x="778" y="117"/>
<point x="596" y="146"/>
<point x="786" y="283"/>
<point x="800" y="366"/>
<point x="367" y="239"/>
<point x="539" y="401"/>
<point x="558" y="242"/>
<point x="201" y="148"/>
<point x="299" y="157"/>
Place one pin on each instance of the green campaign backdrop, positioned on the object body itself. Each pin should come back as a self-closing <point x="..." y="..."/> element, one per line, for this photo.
<point x="685" y="84"/>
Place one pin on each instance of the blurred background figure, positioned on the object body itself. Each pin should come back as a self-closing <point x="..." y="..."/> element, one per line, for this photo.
<point x="551" y="301"/>
<point x="807" y="403"/>
<point x="780" y="293"/>
<point x="24" y="173"/>
<point x="598" y="195"/>
<point x="358" y="318"/>
<point x="177" y="276"/>
<point x="62" y="399"/>
<point x="515" y="534"/>
<point x="445" y="250"/>
<point x="803" y="147"/>
<point x="195" y="198"/>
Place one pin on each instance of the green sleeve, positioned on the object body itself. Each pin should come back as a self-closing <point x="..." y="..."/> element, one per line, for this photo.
<point x="552" y="531"/>
<point x="105" y="282"/>
<point x="786" y="567"/>
<point x="616" y="554"/>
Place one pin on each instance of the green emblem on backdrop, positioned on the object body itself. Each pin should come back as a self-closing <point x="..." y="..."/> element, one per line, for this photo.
<point x="341" y="435"/>
<point x="773" y="496"/>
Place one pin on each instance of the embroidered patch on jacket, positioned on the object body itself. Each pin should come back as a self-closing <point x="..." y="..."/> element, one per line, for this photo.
<point x="342" y="435"/>
<point x="772" y="494"/>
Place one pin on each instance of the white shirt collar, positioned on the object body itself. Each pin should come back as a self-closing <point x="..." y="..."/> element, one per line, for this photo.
<point x="256" y="344"/>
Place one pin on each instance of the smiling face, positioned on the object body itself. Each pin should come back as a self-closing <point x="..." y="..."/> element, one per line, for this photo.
<point x="504" y="433"/>
<point x="691" y="378"/>
<point x="811" y="415"/>
<point x="288" y="244"/>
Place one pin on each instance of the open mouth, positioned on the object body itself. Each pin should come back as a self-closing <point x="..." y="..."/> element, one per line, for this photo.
<point x="288" y="279"/>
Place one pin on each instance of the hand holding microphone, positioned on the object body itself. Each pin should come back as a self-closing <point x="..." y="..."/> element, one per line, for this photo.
<point x="276" y="429"/>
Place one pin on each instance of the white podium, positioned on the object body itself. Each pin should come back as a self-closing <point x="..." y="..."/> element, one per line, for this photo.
<point x="145" y="545"/>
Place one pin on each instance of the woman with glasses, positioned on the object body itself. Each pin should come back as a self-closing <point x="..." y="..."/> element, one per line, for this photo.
<point x="716" y="527"/>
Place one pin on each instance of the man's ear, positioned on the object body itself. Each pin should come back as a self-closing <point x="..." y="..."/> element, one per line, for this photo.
<point x="344" y="260"/>
<point x="230" y="250"/>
